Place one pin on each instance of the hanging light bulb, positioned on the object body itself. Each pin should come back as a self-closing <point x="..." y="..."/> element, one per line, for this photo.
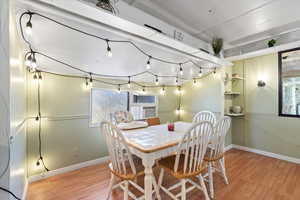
<point x="195" y="81"/>
<point x="156" y="80"/>
<point x="39" y="161"/>
<point x="178" y="111"/>
<point x="200" y="72"/>
<point x="144" y="90"/>
<point x="176" y="80"/>
<point x="148" y="66"/>
<point x="33" y="64"/>
<point x="109" y="53"/>
<point x="178" y="90"/>
<point x="87" y="85"/>
<point x="91" y="80"/>
<point x="40" y="76"/>
<point x="215" y="70"/>
<point x="163" y="91"/>
<point x="180" y="69"/>
<point x="28" y="60"/>
<point x="29" y="26"/>
<point x="119" y="88"/>
<point x="35" y="76"/>
<point x="129" y="82"/>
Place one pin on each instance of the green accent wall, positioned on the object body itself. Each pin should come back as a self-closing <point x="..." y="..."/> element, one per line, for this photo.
<point x="262" y="128"/>
<point x="66" y="136"/>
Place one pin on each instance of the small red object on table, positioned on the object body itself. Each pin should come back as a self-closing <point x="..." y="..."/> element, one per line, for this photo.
<point x="171" y="127"/>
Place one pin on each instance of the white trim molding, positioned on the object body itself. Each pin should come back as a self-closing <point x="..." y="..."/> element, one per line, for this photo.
<point x="268" y="154"/>
<point x="67" y="169"/>
<point x="24" y="195"/>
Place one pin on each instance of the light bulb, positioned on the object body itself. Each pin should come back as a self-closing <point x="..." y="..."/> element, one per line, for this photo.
<point x="215" y="70"/>
<point x="128" y="85"/>
<point x="195" y="81"/>
<point x="181" y="70"/>
<point x="162" y="91"/>
<point x="156" y="81"/>
<point x="119" y="88"/>
<point x="200" y="73"/>
<point x="143" y="90"/>
<point x="176" y="80"/>
<point x="28" y="60"/>
<point x="148" y="66"/>
<point x="109" y="53"/>
<point x="29" y="28"/>
<point x="33" y="62"/>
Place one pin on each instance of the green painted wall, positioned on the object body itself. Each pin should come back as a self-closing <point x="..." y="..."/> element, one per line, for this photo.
<point x="66" y="135"/>
<point x="262" y="128"/>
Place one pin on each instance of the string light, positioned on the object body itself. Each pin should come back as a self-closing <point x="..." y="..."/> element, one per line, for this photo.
<point x="156" y="81"/>
<point x="195" y="81"/>
<point x="40" y="76"/>
<point x="29" y="25"/>
<point x="33" y="62"/>
<point x="200" y="72"/>
<point x="215" y="70"/>
<point x="180" y="69"/>
<point x="129" y="82"/>
<point x="144" y="90"/>
<point x="148" y="66"/>
<point x="178" y="90"/>
<point x="163" y="91"/>
<point x="176" y="80"/>
<point x="28" y="60"/>
<point x="38" y="163"/>
<point x="91" y="80"/>
<point x="109" y="53"/>
<point x="119" y="88"/>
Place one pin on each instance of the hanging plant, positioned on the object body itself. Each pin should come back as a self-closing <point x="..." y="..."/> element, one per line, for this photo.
<point x="217" y="45"/>
<point x="108" y="5"/>
<point x="272" y="43"/>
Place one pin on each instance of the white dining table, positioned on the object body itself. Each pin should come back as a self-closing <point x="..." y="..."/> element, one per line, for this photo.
<point x="153" y="143"/>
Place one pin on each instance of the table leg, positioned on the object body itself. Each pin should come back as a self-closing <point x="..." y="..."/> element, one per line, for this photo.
<point x="148" y="164"/>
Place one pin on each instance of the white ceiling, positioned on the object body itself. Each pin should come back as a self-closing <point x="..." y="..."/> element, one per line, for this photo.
<point x="89" y="54"/>
<point x="236" y="21"/>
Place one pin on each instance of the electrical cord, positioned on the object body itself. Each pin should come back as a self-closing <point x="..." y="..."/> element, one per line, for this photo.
<point x="6" y="134"/>
<point x="12" y="194"/>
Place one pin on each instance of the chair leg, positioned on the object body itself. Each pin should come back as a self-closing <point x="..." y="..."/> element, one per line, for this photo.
<point x="223" y="170"/>
<point x="126" y="191"/>
<point x="183" y="189"/>
<point x="156" y="188"/>
<point x="203" y="187"/>
<point x="111" y="184"/>
<point x="161" y="176"/>
<point x="211" y="180"/>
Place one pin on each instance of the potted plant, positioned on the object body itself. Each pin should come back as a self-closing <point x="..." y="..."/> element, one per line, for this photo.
<point x="217" y="45"/>
<point x="272" y="43"/>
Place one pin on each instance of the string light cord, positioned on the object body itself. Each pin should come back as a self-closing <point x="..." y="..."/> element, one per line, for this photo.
<point x="102" y="38"/>
<point x="11" y="193"/>
<point x="40" y="129"/>
<point x="101" y="75"/>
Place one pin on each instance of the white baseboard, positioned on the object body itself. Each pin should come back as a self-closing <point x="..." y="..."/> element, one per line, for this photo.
<point x="228" y="147"/>
<point x="266" y="153"/>
<point x="25" y="190"/>
<point x="67" y="169"/>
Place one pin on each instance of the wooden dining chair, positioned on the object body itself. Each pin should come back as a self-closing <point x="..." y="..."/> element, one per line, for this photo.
<point x="123" y="116"/>
<point x="153" y="121"/>
<point x="188" y="163"/>
<point x="122" y="165"/>
<point x="215" y="151"/>
<point x="205" y="116"/>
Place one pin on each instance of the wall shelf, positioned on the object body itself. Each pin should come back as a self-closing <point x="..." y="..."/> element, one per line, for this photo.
<point x="235" y="114"/>
<point x="232" y="93"/>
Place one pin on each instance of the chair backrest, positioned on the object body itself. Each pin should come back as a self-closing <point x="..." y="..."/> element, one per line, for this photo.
<point x="123" y="116"/>
<point x="218" y="138"/>
<point x="119" y="152"/>
<point x="153" y="121"/>
<point x="193" y="146"/>
<point x="205" y="116"/>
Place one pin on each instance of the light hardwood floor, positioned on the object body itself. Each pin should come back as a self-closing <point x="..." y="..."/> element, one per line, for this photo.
<point x="251" y="177"/>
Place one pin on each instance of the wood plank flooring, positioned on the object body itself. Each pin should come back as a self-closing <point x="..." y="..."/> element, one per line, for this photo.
<point x="251" y="177"/>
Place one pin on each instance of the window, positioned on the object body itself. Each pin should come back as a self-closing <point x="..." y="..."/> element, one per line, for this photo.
<point x="104" y="103"/>
<point x="289" y="83"/>
<point x="143" y="106"/>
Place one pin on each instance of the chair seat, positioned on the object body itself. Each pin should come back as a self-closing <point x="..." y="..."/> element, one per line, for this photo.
<point x="208" y="155"/>
<point x="168" y="164"/>
<point x="129" y="175"/>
